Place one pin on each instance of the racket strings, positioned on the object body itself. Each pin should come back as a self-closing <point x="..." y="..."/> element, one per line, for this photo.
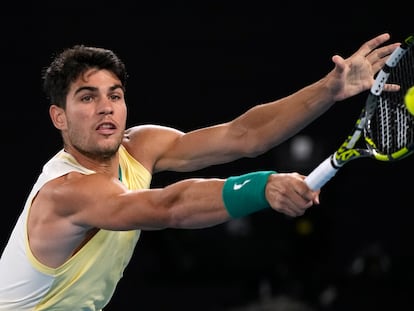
<point x="391" y="127"/>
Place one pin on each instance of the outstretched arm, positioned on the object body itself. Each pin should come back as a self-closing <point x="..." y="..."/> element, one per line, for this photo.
<point x="69" y="209"/>
<point x="190" y="203"/>
<point x="267" y="125"/>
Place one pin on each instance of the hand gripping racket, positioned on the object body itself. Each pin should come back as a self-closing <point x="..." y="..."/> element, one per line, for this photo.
<point x="385" y="128"/>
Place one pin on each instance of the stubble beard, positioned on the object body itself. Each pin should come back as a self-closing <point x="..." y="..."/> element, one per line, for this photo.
<point x="100" y="153"/>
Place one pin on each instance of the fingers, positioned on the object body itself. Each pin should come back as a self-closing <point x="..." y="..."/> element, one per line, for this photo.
<point x="378" y="57"/>
<point x="375" y="54"/>
<point x="339" y="62"/>
<point x="289" y="194"/>
<point x="370" y="50"/>
<point x="391" y="87"/>
<point x="384" y="51"/>
<point x="372" y="44"/>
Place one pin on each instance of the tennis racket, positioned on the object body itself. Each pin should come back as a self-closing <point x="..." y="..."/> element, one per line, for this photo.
<point x="384" y="129"/>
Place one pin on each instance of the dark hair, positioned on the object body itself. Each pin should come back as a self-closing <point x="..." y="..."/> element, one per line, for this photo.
<point x="67" y="66"/>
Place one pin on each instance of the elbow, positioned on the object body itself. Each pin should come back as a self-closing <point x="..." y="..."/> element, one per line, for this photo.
<point x="254" y="147"/>
<point x="250" y="143"/>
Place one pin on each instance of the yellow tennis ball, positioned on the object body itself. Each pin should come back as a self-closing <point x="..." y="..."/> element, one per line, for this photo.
<point x="409" y="100"/>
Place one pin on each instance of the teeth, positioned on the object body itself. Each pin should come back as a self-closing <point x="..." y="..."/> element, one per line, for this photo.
<point x="108" y="126"/>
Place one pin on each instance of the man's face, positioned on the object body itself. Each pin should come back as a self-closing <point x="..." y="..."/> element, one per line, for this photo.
<point x="95" y="115"/>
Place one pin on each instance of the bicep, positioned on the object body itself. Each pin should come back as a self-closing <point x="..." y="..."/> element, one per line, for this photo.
<point x="203" y="147"/>
<point x="89" y="201"/>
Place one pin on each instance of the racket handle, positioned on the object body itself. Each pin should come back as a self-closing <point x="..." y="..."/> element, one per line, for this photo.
<point x="321" y="174"/>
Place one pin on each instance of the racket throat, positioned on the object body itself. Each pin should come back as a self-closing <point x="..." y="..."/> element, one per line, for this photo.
<point x="335" y="163"/>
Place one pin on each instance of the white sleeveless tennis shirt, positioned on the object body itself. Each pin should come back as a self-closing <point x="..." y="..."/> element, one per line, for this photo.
<point x="88" y="279"/>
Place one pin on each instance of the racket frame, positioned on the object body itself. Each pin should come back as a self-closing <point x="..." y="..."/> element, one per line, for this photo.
<point x="347" y="151"/>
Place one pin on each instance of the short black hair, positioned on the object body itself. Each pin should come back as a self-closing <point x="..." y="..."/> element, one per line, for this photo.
<point x="72" y="62"/>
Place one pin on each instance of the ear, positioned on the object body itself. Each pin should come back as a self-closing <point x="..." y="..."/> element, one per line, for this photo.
<point x="57" y="114"/>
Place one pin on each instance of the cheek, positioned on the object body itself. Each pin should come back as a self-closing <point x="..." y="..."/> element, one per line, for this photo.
<point x="122" y="114"/>
<point x="78" y="119"/>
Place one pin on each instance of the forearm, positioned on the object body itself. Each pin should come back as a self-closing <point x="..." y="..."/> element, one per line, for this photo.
<point x="193" y="203"/>
<point x="200" y="203"/>
<point x="288" y="115"/>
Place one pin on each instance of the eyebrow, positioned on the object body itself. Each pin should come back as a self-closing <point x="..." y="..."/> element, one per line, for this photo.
<point x="94" y="89"/>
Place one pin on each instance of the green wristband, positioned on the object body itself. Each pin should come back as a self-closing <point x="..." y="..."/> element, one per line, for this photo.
<point x="245" y="194"/>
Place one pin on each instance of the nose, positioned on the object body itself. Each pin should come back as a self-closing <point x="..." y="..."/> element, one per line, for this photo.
<point x="106" y="107"/>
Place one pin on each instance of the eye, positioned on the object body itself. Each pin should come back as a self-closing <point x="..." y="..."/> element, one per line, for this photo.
<point x="114" y="97"/>
<point x="87" y="98"/>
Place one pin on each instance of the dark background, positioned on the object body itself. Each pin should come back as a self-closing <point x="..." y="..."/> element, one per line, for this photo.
<point x="193" y="66"/>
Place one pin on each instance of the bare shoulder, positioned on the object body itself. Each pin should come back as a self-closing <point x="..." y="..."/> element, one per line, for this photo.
<point x="51" y="205"/>
<point x="149" y="143"/>
<point x="68" y="194"/>
<point x="58" y="188"/>
<point x="61" y="216"/>
<point x="148" y="130"/>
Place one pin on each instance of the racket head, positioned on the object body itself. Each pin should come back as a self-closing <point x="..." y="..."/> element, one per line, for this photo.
<point x="389" y="127"/>
<point x="385" y="128"/>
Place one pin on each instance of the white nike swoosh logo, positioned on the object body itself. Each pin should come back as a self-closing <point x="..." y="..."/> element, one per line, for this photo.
<point x="238" y="186"/>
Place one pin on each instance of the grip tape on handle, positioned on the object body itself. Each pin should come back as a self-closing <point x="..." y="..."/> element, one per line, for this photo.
<point x="321" y="174"/>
